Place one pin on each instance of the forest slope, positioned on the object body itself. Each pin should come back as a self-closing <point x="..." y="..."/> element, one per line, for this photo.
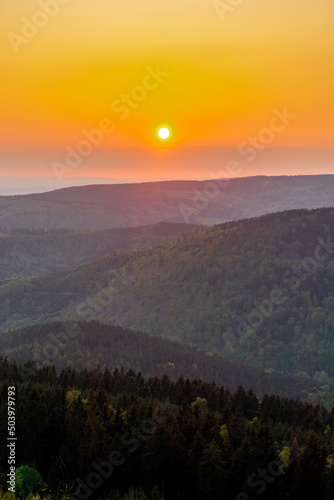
<point x="259" y="291"/>
<point x="84" y="345"/>
<point x="38" y="252"/>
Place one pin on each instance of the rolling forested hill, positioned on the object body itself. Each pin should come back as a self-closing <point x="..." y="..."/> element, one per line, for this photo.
<point x="84" y="345"/>
<point x="258" y="291"/>
<point x="37" y="252"/>
<point x="199" y="202"/>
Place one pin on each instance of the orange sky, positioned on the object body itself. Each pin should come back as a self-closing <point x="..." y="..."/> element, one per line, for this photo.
<point x="217" y="79"/>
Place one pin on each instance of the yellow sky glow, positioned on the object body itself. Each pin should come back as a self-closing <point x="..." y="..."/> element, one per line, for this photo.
<point x="223" y="73"/>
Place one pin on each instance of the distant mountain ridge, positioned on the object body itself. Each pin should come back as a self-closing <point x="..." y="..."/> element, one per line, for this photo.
<point x="200" y="202"/>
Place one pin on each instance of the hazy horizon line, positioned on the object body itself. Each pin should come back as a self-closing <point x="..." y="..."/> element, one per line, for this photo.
<point x="40" y="187"/>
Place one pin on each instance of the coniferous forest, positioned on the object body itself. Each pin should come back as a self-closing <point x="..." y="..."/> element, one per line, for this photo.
<point x="167" y="250"/>
<point x="170" y="361"/>
<point x="116" y="435"/>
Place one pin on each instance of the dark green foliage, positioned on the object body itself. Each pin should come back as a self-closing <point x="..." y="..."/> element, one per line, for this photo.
<point x="172" y="439"/>
<point x="37" y="252"/>
<point x="27" y="480"/>
<point x="86" y="344"/>
<point x="205" y="289"/>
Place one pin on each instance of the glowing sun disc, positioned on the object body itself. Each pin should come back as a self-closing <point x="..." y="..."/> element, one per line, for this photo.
<point x="163" y="133"/>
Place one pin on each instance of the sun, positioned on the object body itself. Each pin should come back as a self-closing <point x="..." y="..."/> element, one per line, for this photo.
<point x="163" y="133"/>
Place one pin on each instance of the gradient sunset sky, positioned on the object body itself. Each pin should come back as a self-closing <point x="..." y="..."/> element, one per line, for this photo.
<point x="217" y="75"/>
